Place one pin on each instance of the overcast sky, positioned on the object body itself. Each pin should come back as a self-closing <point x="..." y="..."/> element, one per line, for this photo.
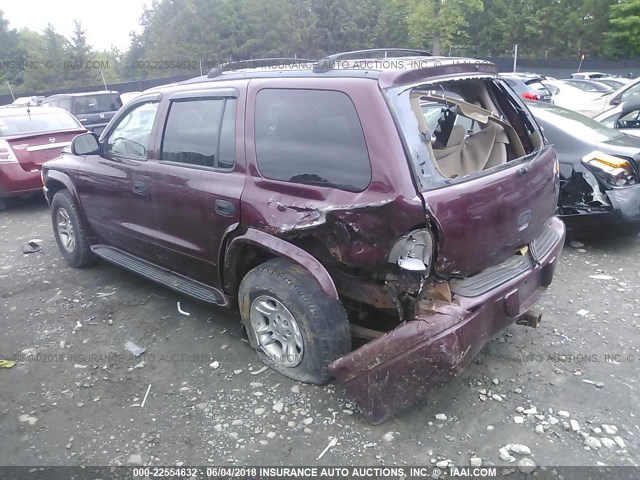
<point x="106" y="22"/>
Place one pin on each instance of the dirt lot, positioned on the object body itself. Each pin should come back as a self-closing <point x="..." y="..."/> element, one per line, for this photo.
<point x="75" y="397"/>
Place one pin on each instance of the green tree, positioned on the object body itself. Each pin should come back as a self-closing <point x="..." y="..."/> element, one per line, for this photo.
<point x="45" y="54"/>
<point x="76" y="71"/>
<point x="11" y="57"/>
<point x="432" y="24"/>
<point x="623" y="38"/>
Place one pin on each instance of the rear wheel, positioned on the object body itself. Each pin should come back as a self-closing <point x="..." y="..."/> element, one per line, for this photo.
<point x="294" y="326"/>
<point x="69" y="231"/>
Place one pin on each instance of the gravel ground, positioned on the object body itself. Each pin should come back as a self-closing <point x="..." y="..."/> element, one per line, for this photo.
<point x="563" y="394"/>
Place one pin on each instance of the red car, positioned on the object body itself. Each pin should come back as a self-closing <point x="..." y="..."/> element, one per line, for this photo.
<point x="355" y="241"/>
<point x="29" y="136"/>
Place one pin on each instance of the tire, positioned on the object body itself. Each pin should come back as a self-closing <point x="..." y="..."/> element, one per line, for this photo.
<point x="4" y="204"/>
<point x="319" y="321"/>
<point x="76" y="253"/>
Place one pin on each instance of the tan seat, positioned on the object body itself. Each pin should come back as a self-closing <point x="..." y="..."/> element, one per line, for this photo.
<point x="458" y="132"/>
<point x="481" y="150"/>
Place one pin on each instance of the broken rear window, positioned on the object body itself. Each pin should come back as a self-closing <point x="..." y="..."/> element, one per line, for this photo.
<point x="460" y="128"/>
<point x="312" y="137"/>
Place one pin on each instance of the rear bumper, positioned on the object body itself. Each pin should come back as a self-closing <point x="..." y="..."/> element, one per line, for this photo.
<point x="394" y="371"/>
<point x="14" y="181"/>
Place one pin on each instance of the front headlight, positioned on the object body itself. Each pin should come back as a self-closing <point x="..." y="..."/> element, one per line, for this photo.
<point x="612" y="171"/>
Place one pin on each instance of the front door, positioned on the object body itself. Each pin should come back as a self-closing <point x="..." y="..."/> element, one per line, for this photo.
<point x="114" y="186"/>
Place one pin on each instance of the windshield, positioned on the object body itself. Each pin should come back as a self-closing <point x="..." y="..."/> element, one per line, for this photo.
<point x="577" y="124"/>
<point x="40" y="121"/>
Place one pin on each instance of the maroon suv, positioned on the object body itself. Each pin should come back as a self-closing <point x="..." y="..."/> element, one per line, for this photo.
<point x="357" y="241"/>
<point x="29" y="136"/>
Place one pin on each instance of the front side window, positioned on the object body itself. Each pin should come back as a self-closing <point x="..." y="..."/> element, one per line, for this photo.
<point x="201" y="132"/>
<point x="311" y="137"/>
<point x="130" y="137"/>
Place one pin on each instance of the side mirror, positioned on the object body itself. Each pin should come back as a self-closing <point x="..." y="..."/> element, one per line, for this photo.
<point x="85" y="144"/>
<point x="615" y="101"/>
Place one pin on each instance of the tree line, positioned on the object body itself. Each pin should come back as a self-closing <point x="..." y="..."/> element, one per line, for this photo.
<point x="183" y="36"/>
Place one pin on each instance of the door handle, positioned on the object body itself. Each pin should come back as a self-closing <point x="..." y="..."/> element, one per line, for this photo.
<point x="139" y="187"/>
<point x="225" y="208"/>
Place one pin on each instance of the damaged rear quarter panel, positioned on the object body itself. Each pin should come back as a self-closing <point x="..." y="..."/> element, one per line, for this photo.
<point x="358" y="229"/>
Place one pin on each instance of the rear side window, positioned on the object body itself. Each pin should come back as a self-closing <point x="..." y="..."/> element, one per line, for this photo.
<point x="201" y="132"/>
<point x="312" y="137"/>
<point x="97" y="103"/>
<point x="65" y="103"/>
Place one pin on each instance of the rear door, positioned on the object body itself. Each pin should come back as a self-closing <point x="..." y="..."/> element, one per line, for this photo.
<point x="198" y="180"/>
<point x="484" y="217"/>
<point x="485" y="220"/>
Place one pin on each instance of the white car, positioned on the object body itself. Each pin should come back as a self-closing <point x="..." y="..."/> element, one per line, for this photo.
<point x="589" y="75"/>
<point x="570" y="97"/>
<point x="611" y="100"/>
<point x="624" y="117"/>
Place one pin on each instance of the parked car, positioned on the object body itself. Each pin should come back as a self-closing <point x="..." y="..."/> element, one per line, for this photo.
<point x="528" y="87"/>
<point x="315" y="198"/>
<point x="32" y="100"/>
<point x="93" y="109"/>
<point x="571" y="97"/>
<point x="607" y="102"/>
<point x="624" y="117"/>
<point x="594" y="86"/>
<point x="589" y="75"/>
<point x="599" y="173"/>
<point x="29" y="136"/>
<point x="615" y="82"/>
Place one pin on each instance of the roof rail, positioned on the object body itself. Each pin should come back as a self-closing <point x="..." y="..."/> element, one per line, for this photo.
<point x="260" y="62"/>
<point x="328" y="63"/>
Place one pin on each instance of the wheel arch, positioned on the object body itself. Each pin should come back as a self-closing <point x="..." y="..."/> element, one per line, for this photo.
<point x="255" y="247"/>
<point x="56" y="181"/>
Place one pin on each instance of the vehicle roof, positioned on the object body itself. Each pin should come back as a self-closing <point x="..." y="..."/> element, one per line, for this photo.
<point x="17" y="110"/>
<point x="523" y="78"/>
<point x="390" y="71"/>
<point x="82" y="94"/>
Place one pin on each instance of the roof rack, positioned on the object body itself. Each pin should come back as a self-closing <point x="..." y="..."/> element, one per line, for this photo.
<point x="260" y="62"/>
<point x="328" y="63"/>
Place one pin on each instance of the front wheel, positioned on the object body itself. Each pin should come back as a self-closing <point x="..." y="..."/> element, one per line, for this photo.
<point x="294" y="326"/>
<point x="69" y="231"/>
